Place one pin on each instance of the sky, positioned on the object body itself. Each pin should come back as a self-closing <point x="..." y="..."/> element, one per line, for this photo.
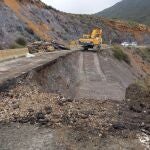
<point x="81" y="6"/>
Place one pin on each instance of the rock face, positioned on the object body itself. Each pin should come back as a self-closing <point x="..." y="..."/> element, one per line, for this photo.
<point x="34" y="20"/>
<point x="10" y="25"/>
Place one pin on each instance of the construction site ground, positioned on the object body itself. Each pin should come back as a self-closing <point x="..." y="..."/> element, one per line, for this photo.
<point x="70" y="100"/>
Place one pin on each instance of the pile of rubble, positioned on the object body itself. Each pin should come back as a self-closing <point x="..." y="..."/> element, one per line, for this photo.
<point x="27" y="104"/>
<point x="42" y="46"/>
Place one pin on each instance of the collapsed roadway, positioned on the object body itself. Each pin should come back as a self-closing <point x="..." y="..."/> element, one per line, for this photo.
<point x="77" y="94"/>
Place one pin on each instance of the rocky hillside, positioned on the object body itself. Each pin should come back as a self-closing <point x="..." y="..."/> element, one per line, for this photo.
<point x="135" y="10"/>
<point x="33" y="20"/>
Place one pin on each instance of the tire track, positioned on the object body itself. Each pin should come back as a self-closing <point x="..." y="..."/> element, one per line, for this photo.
<point x="98" y="67"/>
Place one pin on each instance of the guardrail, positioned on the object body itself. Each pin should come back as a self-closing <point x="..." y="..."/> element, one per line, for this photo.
<point x="12" y="53"/>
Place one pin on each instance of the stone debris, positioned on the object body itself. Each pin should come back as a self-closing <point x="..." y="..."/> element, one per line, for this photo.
<point x="42" y="46"/>
<point x="55" y="111"/>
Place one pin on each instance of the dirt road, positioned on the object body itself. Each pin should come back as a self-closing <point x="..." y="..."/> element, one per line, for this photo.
<point x="100" y="78"/>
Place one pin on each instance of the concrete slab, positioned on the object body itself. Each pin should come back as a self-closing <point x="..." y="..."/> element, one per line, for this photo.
<point x="12" y="53"/>
<point x="16" y="67"/>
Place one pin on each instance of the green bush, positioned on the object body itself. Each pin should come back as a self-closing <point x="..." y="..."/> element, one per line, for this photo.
<point x="120" y="55"/>
<point x="15" y="45"/>
<point x="21" y="41"/>
<point x="132" y="23"/>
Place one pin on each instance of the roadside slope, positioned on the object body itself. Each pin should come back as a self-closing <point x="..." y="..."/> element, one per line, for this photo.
<point x="34" y="20"/>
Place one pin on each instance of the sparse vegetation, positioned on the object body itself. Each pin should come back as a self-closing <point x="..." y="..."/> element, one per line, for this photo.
<point x="132" y="23"/>
<point x="120" y="55"/>
<point x="21" y="41"/>
<point x="135" y="10"/>
<point x="51" y="8"/>
<point x="42" y="23"/>
<point x="145" y="83"/>
<point x="144" y="53"/>
<point x="15" y="45"/>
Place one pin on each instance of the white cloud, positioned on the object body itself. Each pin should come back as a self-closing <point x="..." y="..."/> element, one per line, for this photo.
<point x="81" y="6"/>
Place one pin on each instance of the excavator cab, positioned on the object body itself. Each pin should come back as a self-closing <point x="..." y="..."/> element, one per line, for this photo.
<point x="92" y="40"/>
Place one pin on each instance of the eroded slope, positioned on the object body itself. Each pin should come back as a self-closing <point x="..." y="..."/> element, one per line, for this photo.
<point x="34" y="20"/>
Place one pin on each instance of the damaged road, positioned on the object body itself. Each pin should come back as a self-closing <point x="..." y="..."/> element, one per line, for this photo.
<point x="74" y="103"/>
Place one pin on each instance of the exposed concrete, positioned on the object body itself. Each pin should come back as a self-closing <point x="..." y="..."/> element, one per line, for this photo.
<point x="11" y="70"/>
<point x="102" y="77"/>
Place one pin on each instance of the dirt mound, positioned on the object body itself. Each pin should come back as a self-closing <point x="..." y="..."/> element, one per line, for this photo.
<point x="135" y="110"/>
<point x="28" y="102"/>
<point x="138" y="98"/>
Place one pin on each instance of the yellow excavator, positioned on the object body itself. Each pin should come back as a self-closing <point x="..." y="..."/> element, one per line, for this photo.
<point x="92" y="40"/>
